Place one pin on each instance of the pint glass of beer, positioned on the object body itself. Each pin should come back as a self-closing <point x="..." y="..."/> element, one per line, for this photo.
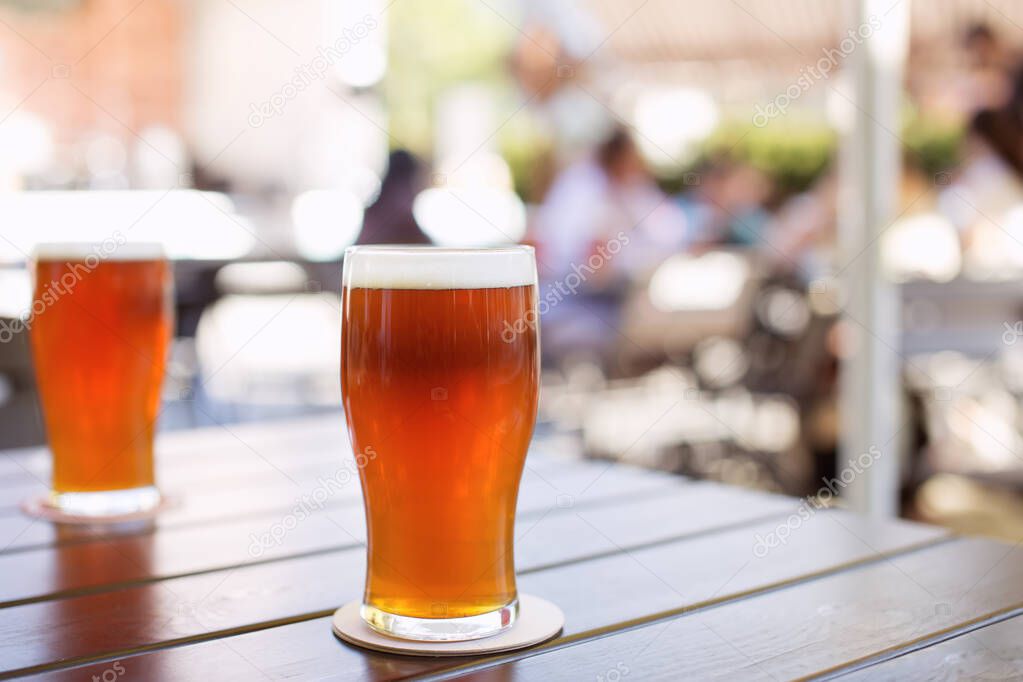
<point x="440" y="379"/>
<point x="99" y="329"/>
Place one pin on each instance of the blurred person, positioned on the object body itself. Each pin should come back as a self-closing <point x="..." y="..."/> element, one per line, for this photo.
<point x="603" y="225"/>
<point x="699" y="203"/>
<point x="555" y="63"/>
<point x="607" y="196"/>
<point x="986" y="190"/>
<point x="746" y="190"/>
<point x="803" y="234"/>
<point x="978" y="77"/>
<point x="990" y="179"/>
<point x="389" y="219"/>
<point x="988" y="64"/>
<point x="727" y="205"/>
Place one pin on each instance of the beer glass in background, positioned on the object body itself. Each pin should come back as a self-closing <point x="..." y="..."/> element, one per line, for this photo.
<point x="440" y="379"/>
<point x="100" y="326"/>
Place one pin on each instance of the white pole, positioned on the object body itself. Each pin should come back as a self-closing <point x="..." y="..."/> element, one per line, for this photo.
<point x="869" y="452"/>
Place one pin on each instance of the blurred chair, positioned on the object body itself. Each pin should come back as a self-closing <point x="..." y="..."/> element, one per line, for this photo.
<point x="269" y="347"/>
<point x="271" y="277"/>
<point x="688" y="299"/>
<point x="20" y="417"/>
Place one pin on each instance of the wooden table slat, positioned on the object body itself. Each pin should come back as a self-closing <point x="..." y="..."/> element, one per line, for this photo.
<point x="659" y="577"/>
<point x="812" y="628"/>
<point x="994" y="652"/>
<point x="195" y="605"/>
<point x="187" y="463"/>
<point x="595" y="594"/>
<point x="197" y="453"/>
<point x="135" y="558"/>
<point x="217" y="447"/>
<point x="272" y="495"/>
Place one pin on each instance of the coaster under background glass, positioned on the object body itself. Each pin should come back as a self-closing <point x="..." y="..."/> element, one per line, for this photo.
<point x="538" y="621"/>
<point x="43" y="506"/>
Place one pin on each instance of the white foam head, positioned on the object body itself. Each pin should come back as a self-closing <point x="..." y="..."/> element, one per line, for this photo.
<point x="109" y="250"/>
<point x="407" y="267"/>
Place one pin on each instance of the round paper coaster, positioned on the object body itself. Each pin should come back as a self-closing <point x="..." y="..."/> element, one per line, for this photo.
<point x="538" y="621"/>
<point x="40" y="507"/>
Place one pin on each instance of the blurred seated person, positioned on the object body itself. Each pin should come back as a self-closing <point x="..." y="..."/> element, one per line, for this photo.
<point x="803" y="235"/>
<point x="607" y="198"/>
<point x="725" y="206"/>
<point x="988" y="67"/>
<point x="987" y="192"/>
<point x="389" y="219"/>
<point x="990" y="177"/>
<point x="603" y="224"/>
<point x="978" y="76"/>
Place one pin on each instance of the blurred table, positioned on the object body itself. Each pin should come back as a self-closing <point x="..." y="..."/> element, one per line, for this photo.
<point x="966" y="316"/>
<point x="659" y="577"/>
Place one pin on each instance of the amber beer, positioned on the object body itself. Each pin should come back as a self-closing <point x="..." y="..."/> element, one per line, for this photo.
<point x="100" y="327"/>
<point x="448" y="406"/>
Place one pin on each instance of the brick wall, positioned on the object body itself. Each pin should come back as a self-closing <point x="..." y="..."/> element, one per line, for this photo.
<point x="106" y="65"/>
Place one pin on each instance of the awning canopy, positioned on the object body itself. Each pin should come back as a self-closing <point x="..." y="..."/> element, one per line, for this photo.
<point x="673" y="31"/>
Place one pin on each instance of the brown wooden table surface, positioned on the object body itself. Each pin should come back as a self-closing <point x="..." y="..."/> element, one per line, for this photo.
<point x="659" y="577"/>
